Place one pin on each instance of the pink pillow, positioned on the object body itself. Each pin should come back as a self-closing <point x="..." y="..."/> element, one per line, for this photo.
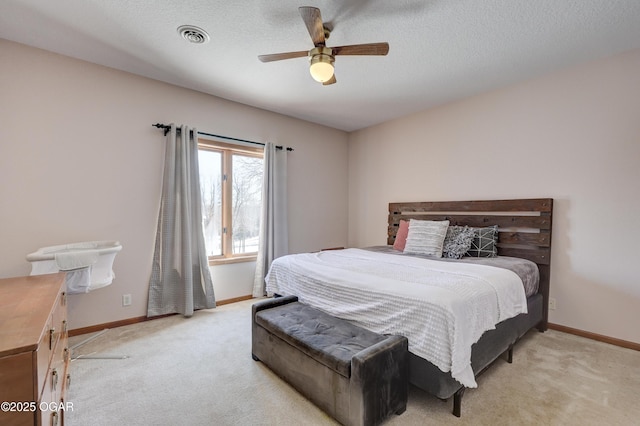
<point x="401" y="235"/>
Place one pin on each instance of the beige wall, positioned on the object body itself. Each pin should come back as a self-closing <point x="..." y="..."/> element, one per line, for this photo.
<point x="79" y="161"/>
<point x="573" y="135"/>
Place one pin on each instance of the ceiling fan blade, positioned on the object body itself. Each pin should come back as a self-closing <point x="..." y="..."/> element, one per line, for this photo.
<point x="331" y="81"/>
<point x="313" y="21"/>
<point x="362" y="49"/>
<point x="280" y="56"/>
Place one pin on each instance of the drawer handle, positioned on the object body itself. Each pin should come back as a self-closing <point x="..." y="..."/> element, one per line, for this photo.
<point x="68" y="380"/>
<point x="54" y="418"/>
<point x="65" y="356"/>
<point x="64" y="298"/>
<point x="54" y="379"/>
<point x="52" y="334"/>
<point x="64" y="326"/>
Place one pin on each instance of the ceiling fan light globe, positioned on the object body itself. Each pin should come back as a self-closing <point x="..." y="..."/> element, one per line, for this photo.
<point x="321" y="68"/>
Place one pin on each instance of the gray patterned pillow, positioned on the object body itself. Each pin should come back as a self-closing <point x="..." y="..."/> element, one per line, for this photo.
<point x="484" y="242"/>
<point x="458" y="241"/>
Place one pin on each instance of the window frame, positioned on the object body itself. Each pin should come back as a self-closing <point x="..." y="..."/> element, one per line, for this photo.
<point x="227" y="151"/>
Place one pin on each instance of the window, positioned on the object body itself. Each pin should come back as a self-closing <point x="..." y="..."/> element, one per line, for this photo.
<point x="231" y="186"/>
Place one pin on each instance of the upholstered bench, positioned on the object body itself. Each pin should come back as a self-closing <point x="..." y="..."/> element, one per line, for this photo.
<point x="356" y="376"/>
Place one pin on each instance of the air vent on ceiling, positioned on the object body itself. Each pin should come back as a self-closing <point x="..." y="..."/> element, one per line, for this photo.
<point x="193" y="34"/>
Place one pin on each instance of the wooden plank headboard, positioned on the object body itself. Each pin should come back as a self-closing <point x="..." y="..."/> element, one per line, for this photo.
<point x="524" y="227"/>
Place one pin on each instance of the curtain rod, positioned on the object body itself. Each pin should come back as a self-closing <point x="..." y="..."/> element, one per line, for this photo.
<point x="167" y="128"/>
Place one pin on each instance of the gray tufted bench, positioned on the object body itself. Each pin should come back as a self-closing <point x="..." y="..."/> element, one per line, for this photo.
<point x="356" y="376"/>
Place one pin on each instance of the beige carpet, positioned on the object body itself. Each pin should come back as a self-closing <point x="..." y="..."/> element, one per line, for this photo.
<point x="199" y="371"/>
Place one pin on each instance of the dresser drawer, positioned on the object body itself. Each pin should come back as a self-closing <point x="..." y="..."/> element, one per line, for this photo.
<point x="52" y="395"/>
<point x="52" y="391"/>
<point x="53" y="339"/>
<point x="43" y="357"/>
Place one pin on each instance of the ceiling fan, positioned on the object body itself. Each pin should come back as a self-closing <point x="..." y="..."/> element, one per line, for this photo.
<point x="321" y="57"/>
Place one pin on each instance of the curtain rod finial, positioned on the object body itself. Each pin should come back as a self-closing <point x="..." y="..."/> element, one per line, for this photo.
<point x="162" y="126"/>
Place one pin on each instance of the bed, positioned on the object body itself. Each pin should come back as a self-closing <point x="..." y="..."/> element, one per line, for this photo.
<point x="357" y="285"/>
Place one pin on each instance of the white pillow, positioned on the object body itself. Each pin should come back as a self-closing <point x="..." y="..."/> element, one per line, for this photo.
<point x="426" y="237"/>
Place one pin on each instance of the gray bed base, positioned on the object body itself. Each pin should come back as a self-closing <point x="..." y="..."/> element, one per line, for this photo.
<point x="488" y="349"/>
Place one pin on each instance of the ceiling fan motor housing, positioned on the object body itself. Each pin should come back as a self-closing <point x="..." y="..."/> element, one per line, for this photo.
<point x="321" y="54"/>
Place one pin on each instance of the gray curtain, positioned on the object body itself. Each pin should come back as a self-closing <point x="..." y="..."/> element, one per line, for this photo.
<point x="274" y="235"/>
<point x="180" y="276"/>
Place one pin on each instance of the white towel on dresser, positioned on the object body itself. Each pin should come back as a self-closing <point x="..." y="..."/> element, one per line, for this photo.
<point x="78" y="281"/>
<point x="76" y="259"/>
<point x="442" y="308"/>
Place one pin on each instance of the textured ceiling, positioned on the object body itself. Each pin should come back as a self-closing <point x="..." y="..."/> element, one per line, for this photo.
<point x="440" y="50"/>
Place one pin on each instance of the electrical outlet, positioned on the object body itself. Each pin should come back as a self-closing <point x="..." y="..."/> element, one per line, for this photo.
<point x="552" y="303"/>
<point x="126" y="300"/>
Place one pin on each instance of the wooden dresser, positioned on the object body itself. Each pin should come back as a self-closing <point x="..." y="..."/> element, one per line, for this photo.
<point x="34" y="357"/>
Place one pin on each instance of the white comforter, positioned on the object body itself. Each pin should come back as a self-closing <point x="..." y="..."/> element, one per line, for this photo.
<point x="441" y="307"/>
